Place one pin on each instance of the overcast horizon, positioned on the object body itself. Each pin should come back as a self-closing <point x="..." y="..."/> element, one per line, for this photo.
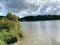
<point x="30" y="7"/>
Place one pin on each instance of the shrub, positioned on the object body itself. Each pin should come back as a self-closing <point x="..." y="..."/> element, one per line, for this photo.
<point x="2" y="42"/>
<point x="9" y="29"/>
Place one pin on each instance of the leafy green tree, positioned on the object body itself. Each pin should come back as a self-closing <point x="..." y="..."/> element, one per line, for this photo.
<point x="11" y="16"/>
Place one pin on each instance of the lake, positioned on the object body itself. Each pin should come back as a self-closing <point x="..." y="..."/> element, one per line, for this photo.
<point x="41" y="32"/>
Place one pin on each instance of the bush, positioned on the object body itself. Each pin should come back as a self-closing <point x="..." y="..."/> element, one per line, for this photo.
<point x="9" y="29"/>
<point x="2" y="42"/>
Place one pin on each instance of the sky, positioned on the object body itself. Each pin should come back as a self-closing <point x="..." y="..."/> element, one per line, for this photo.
<point x="30" y="7"/>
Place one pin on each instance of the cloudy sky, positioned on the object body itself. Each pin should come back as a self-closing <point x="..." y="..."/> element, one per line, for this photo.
<point x="30" y="7"/>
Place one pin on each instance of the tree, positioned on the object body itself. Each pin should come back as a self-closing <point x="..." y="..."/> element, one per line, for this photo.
<point x="11" y="16"/>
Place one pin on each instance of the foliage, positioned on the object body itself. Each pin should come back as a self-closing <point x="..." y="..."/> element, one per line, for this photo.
<point x="41" y="18"/>
<point x="13" y="17"/>
<point x="2" y="42"/>
<point x="9" y="29"/>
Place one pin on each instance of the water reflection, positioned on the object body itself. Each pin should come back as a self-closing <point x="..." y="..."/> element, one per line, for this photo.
<point x="41" y="32"/>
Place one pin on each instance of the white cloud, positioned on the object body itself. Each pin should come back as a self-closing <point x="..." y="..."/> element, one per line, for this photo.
<point x="55" y="9"/>
<point x="58" y="6"/>
<point x="58" y="0"/>
<point x="37" y="2"/>
<point x="30" y="1"/>
<point x="48" y="9"/>
<point x="2" y="9"/>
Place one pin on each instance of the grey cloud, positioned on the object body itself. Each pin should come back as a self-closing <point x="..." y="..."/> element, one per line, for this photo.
<point x="0" y="7"/>
<point x="22" y="5"/>
<point x="19" y="5"/>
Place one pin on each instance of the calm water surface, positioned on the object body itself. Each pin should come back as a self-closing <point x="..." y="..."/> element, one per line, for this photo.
<point x="41" y="33"/>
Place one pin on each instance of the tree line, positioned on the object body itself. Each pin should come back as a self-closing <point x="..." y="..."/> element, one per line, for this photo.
<point x="40" y="18"/>
<point x="37" y="18"/>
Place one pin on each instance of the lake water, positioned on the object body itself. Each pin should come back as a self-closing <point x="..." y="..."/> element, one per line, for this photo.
<point x="41" y="32"/>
